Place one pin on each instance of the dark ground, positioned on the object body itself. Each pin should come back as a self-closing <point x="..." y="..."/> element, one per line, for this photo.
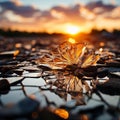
<point x="27" y="89"/>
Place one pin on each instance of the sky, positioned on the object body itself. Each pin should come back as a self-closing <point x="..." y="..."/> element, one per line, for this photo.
<point x="62" y="16"/>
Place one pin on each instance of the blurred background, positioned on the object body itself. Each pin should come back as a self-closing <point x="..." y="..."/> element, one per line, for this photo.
<point x="60" y="16"/>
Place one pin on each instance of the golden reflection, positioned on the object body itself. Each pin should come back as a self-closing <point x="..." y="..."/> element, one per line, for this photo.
<point x="62" y="113"/>
<point x="16" y="53"/>
<point x="18" y="45"/>
<point x="71" y="40"/>
<point x="69" y="54"/>
<point x="84" y="117"/>
<point x="102" y="44"/>
<point x="101" y="49"/>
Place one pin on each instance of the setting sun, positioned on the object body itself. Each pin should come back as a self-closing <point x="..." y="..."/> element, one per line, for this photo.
<point x="71" y="29"/>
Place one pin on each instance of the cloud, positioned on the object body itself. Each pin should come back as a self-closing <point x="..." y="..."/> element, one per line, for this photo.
<point x="25" y="11"/>
<point x="99" y="7"/>
<point x="68" y="14"/>
<point x="15" y="15"/>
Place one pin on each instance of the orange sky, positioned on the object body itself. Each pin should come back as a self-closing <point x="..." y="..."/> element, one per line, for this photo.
<point x="60" y="18"/>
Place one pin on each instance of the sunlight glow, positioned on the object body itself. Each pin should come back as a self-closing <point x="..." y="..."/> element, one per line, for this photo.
<point x="73" y="30"/>
<point x="71" y="40"/>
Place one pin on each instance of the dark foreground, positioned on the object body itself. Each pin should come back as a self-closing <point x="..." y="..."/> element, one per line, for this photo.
<point x="29" y="91"/>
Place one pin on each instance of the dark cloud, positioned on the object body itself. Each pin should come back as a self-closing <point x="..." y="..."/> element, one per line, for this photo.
<point x="25" y="11"/>
<point x="69" y="14"/>
<point x="100" y="6"/>
<point x="68" y="11"/>
<point x="46" y="15"/>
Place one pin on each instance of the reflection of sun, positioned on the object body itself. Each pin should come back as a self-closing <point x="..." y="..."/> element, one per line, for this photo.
<point x="71" y="40"/>
<point x="71" y="29"/>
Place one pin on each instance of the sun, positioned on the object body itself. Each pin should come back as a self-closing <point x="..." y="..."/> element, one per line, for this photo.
<point x="73" y="30"/>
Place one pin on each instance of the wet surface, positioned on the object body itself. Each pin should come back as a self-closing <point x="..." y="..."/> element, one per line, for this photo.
<point x="31" y="86"/>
